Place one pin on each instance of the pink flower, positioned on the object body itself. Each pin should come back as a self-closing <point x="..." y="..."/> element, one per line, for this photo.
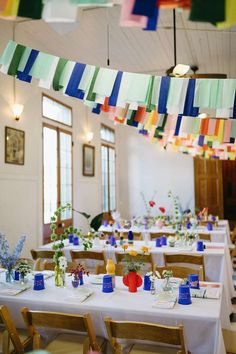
<point x="152" y="203"/>
<point x="162" y="210"/>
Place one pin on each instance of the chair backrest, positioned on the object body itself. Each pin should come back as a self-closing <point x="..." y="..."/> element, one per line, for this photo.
<point x="78" y="323"/>
<point x="154" y="235"/>
<point x="184" y="259"/>
<point x="144" y="331"/>
<point x="12" y="334"/>
<point x="43" y="254"/>
<point x="146" y="259"/>
<point x="101" y="269"/>
<point x="99" y="256"/>
<point x="51" y="266"/>
<point x="182" y="272"/>
<point x="137" y="235"/>
<point x="204" y="236"/>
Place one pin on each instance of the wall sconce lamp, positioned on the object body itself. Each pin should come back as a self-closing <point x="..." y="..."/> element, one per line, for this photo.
<point x="17" y="110"/>
<point x="89" y="137"/>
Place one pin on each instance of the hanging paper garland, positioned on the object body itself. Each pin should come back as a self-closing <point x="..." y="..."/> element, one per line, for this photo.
<point x="162" y="108"/>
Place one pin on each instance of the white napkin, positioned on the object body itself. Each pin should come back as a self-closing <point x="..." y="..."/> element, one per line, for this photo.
<point x="12" y="289"/>
<point x="80" y="295"/>
<point x="165" y="301"/>
<point x="207" y="293"/>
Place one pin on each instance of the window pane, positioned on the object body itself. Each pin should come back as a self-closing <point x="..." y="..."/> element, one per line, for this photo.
<point x="65" y="173"/>
<point x="56" y="111"/>
<point x="107" y="134"/>
<point x="50" y="172"/>
<point x="108" y="179"/>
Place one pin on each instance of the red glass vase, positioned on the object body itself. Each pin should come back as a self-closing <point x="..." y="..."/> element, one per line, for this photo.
<point x="133" y="281"/>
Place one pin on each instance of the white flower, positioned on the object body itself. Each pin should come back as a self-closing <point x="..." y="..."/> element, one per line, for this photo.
<point x="62" y="262"/>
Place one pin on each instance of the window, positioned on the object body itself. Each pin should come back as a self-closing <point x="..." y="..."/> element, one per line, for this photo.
<point x="57" y="111"/>
<point x="108" y="169"/>
<point x="57" y="171"/>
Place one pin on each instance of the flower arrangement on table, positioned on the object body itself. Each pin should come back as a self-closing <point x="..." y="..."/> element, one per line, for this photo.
<point x="176" y="212"/>
<point x="167" y="274"/>
<point x="23" y="268"/>
<point x="8" y="260"/>
<point x="77" y="274"/>
<point x="132" y="263"/>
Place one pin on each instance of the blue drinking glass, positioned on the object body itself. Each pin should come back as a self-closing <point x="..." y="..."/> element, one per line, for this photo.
<point x="107" y="284"/>
<point x="193" y="280"/>
<point x="184" y="295"/>
<point x="146" y="283"/>
<point x="76" y="241"/>
<point x="164" y="240"/>
<point x="158" y="242"/>
<point x="39" y="282"/>
<point x="200" y="246"/>
<point x="71" y="238"/>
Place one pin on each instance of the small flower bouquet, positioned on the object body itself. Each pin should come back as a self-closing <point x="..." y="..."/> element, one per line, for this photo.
<point x="77" y="274"/>
<point x="167" y="273"/>
<point x="23" y="268"/>
<point x="8" y="260"/>
<point x="132" y="261"/>
<point x="153" y="276"/>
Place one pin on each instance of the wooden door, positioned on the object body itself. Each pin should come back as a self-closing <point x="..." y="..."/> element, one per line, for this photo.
<point x="229" y="182"/>
<point x="208" y="185"/>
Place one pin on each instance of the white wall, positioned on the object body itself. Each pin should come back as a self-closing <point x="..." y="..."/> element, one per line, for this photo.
<point x="140" y="165"/>
<point x="145" y="167"/>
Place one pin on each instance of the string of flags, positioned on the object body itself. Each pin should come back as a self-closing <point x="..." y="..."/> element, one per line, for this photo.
<point x="134" y="13"/>
<point x="163" y="109"/>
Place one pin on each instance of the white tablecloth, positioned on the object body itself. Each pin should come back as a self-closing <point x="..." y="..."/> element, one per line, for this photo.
<point x="218" y="266"/>
<point x="202" y="319"/>
<point x="221" y="233"/>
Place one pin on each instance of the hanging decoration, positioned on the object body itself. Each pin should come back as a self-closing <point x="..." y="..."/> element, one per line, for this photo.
<point x="134" y="13"/>
<point x="163" y="109"/>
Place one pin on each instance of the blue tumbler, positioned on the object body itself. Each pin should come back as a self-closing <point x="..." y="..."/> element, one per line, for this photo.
<point x="76" y="241"/>
<point x="107" y="286"/>
<point x="146" y="283"/>
<point x="184" y="295"/>
<point x="193" y="280"/>
<point x="71" y="238"/>
<point x="158" y="242"/>
<point x="200" y="246"/>
<point x="39" y="281"/>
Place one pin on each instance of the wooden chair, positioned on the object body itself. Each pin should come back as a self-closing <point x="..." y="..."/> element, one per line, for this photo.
<point x="51" y="266"/>
<point x="146" y="258"/>
<point x="13" y="341"/>
<point x="146" y="332"/>
<point x="98" y="256"/>
<point x="101" y="269"/>
<point x="65" y="342"/>
<point x="185" y="259"/>
<point x="204" y="236"/>
<point x="43" y="254"/>
<point x="154" y="235"/>
<point x="137" y="235"/>
<point x="205" y="222"/>
<point x="182" y="272"/>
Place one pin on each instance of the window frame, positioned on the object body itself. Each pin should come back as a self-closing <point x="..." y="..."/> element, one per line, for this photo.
<point x="108" y="145"/>
<point x="62" y="104"/>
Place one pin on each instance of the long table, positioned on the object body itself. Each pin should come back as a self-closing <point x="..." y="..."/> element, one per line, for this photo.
<point x="202" y="319"/>
<point x="220" y="233"/>
<point x="218" y="266"/>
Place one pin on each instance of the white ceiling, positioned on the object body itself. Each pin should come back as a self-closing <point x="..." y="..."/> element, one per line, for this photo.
<point x="132" y="49"/>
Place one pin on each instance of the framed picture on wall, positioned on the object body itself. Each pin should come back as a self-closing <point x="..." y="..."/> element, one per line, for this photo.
<point x="14" y="146"/>
<point x="88" y="160"/>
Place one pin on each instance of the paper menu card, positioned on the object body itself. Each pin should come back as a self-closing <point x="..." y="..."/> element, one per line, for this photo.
<point x="12" y="289"/>
<point x="206" y="293"/>
<point x="80" y="295"/>
<point x="165" y="301"/>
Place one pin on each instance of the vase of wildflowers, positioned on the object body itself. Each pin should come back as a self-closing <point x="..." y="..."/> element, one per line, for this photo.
<point x="167" y="274"/>
<point x="153" y="276"/>
<point x="132" y="263"/>
<point x="8" y="260"/>
<point x="78" y="273"/>
<point x="60" y="271"/>
<point x="24" y="269"/>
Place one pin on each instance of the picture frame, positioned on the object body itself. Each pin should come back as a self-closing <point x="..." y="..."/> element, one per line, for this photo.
<point x="88" y="160"/>
<point x="14" y="146"/>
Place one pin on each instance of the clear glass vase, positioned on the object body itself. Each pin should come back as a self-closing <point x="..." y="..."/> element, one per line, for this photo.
<point x="9" y="276"/>
<point x="152" y="288"/>
<point x="59" y="276"/>
<point x="166" y="285"/>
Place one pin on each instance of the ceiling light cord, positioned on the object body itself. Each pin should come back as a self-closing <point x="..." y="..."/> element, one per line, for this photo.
<point x="174" y="33"/>
<point x="108" y="38"/>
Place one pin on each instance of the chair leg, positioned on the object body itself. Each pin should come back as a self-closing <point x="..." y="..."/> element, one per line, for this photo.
<point x="5" y="342"/>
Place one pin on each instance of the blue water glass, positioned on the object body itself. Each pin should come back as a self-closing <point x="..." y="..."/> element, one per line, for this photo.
<point x="188" y="225"/>
<point x="193" y="280"/>
<point x="200" y="246"/>
<point x="112" y="241"/>
<point x="158" y="242"/>
<point x="163" y="240"/>
<point x="16" y="275"/>
<point x="146" y="283"/>
<point x="107" y="284"/>
<point x="76" y="241"/>
<point x="39" y="282"/>
<point x="209" y="226"/>
<point x="71" y="238"/>
<point x="130" y="236"/>
<point x="105" y="223"/>
<point x="184" y="295"/>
